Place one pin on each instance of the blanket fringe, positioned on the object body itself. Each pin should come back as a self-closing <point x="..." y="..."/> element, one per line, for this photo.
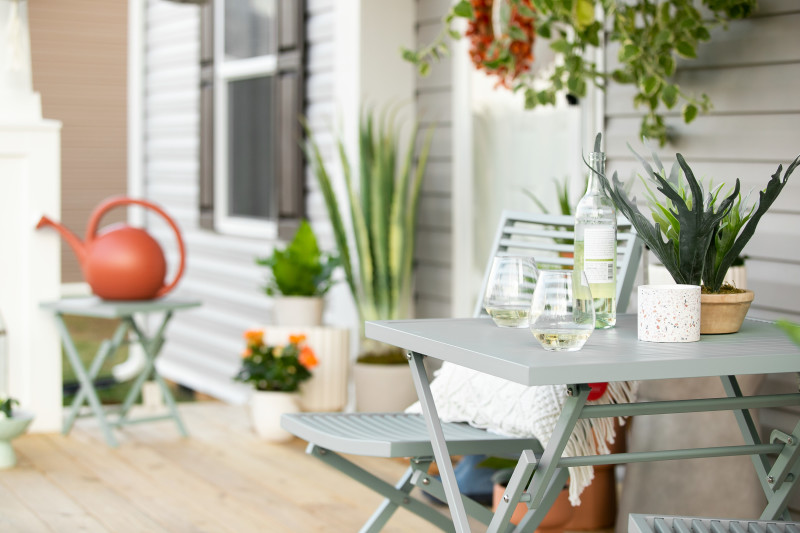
<point x="593" y="435"/>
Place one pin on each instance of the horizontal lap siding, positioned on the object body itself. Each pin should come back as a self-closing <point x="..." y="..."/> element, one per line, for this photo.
<point x="752" y="75"/>
<point x="203" y="345"/>
<point x="434" y="221"/>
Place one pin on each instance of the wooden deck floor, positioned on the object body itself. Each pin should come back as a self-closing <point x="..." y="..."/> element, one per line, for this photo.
<point x="221" y="479"/>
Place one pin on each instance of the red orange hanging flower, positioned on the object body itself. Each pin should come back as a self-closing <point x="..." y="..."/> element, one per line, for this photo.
<point x="508" y="55"/>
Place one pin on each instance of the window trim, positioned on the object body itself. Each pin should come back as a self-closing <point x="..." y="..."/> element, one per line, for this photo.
<point x="225" y="73"/>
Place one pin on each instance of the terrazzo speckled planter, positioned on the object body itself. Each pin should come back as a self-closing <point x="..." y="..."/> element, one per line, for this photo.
<point x="669" y="313"/>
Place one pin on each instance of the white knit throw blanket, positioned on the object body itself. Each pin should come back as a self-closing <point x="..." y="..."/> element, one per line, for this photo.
<point x="507" y="408"/>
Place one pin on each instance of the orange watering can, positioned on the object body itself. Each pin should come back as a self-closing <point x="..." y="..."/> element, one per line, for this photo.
<point x="122" y="262"/>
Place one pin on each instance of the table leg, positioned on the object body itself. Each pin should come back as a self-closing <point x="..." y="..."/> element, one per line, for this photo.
<point x="776" y="495"/>
<point x="547" y="470"/>
<point x="459" y="515"/>
<point x="151" y="346"/>
<point x="87" y="390"/>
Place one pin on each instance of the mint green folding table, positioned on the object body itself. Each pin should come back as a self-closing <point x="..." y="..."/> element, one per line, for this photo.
<point x="130" y="313"/>
<point x="609" y="355"/>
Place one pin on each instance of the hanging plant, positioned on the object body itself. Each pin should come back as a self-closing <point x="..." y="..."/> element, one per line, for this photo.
<point x="651" y="36"/>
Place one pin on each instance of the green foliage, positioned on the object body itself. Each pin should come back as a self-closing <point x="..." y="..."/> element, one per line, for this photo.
<point x="301" y="269"/>
<point x="792" y="330"/>
<point x="381" y="204"/>
<point x="738" y="227"/>
<point x="7" y="407"/>
<point x="684" y="224"/>
<point x="275" y="367"/>
<point x="705" y="234"/>
<point x="562" y="195"/>
<point x="651" y="36"/>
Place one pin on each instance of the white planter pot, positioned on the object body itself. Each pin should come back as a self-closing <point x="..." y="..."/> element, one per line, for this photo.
<point x="266" y="408"/>
<point x="327" y="388"/>
<point x="383" y="388"/>
<point x="658" y="275"/>
<point x="298" y="311"/>
<point x="11" y="428"/>
<point x="669" y="313"/>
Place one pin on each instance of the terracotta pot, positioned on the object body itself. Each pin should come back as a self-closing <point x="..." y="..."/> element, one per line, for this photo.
<point x="266" y="408"/>
<point x="724" y="313"/>
<point x="559" y="515"/>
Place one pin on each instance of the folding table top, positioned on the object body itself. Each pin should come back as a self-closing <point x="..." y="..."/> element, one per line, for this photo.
<point x="609" y="355"/>
<point x="96" y="307"/>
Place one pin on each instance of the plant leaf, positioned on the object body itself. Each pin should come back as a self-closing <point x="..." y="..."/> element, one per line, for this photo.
<point x="793" y="330"/>
<point x="689" y="113"/>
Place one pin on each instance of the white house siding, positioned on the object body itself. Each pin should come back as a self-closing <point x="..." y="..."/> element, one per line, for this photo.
<point x="203" y="345"/>
<point x="752" y="74"/>
<point x="434" y="227"/>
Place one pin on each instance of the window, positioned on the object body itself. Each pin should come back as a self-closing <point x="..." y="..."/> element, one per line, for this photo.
<point x="251" y="99"/>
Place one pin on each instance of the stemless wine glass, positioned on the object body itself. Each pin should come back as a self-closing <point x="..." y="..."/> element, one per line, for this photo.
<point x="562" y="314"/>
<point x="509" y="290"/>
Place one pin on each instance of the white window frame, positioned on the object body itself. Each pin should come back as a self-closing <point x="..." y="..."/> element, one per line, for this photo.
<point x="227" y="71"/>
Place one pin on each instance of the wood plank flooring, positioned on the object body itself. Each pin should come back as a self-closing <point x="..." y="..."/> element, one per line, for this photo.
<point x="221" y="479"/>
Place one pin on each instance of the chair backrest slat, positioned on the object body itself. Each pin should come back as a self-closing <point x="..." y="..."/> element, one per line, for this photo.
<point x="546" y="237"/>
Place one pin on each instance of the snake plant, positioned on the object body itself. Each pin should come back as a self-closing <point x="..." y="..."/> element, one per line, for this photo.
<point x="377" y="248"/>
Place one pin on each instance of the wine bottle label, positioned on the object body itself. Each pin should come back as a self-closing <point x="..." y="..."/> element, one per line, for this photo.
<point x="598" y="255"/>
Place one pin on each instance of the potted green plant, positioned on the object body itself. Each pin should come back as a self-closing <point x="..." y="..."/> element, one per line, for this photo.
<point x="696" y="235"/>
<point x="376" y="245"/>
<point x="13" y="423"/>
<point x="300" y="275"/>
<point x="275" y="372"/>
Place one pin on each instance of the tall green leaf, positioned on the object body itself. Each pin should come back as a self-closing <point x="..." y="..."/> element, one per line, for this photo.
<point x="383" y="205"/>
<point x="731" y="241"/>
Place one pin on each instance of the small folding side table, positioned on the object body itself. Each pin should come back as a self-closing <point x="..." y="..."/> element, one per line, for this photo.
<point x="126" y="312"/>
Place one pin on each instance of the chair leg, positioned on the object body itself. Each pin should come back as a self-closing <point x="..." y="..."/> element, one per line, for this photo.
<point x="396" y="496"/>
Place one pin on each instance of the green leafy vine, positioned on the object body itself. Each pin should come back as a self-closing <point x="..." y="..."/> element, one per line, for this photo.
<point x="651" y="36"/>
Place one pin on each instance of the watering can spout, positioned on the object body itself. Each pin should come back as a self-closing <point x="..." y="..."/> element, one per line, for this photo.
<point x="74" y="242"/>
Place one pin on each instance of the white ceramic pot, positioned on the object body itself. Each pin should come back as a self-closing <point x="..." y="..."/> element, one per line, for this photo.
<point x="266" y="408"/>
<point x="383" y="388"/>
<point x="669" y="313"/>
<point x="11" y="428"/>
<point x="326" y="390"/>
<point x="298" y="311"/>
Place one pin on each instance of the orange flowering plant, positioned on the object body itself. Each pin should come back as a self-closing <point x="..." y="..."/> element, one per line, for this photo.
<point x="278" y="367"/>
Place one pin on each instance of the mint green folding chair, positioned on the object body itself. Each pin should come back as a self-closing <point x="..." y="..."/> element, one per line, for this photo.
<point x="393" y="435"/>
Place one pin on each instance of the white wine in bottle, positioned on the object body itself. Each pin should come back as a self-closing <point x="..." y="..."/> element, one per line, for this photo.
<point x="596" y="242"/>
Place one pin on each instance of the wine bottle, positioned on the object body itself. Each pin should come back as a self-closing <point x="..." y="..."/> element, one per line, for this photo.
<point x="596" y="242"/>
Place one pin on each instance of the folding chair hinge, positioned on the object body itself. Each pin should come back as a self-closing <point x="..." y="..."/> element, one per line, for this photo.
<point x="780" y="471"/>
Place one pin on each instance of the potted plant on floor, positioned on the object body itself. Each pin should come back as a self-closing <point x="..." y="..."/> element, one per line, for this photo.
<point x="696" y="235"/>
<point x="275" y="372"/>
<point x="300" y="275"/>
<point x="374" y="227"/>
<point x="13" y="423"/>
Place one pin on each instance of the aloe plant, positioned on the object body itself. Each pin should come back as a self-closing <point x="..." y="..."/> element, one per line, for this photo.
<point x="377" y="249"/>
<point x="684" y="224"/>
<point x="696" y="236"/>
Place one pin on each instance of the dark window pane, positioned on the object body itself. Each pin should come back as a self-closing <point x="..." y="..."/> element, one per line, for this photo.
<point x="251" y="173"/>
<point x="250" y="28"/>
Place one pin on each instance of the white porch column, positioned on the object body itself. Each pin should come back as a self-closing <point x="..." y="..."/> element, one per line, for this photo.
<point x="30" y="268"/>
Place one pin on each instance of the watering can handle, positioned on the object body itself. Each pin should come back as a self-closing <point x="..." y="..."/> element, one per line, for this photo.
<point x="91" y="231"/>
